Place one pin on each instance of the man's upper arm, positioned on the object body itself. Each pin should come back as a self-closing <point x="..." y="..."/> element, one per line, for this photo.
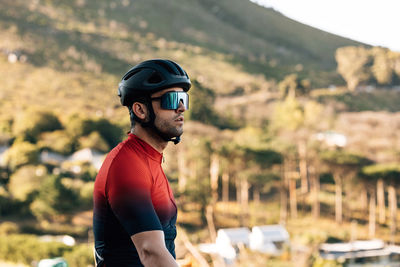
<point x="151" y="248"/>
<point x="148" y="239"/>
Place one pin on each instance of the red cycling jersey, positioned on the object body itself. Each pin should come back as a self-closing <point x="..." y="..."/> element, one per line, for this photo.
<point x="131" y="195"/>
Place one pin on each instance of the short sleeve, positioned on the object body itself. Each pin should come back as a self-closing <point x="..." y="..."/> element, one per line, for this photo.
<point x="128" y="191"/>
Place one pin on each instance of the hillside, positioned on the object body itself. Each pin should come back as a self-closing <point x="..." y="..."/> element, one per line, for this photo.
<point x="110" y="36"/>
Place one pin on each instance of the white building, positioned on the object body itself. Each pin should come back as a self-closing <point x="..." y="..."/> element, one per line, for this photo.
<point x="229" y="241"/>
<point x="49" y="157"/>
<point x="361" y="253"/>
<point x="65" y="239"/>
<point x="269" y="239"/>
<point x="88" y="155"/>
<point x="332" y="139"/>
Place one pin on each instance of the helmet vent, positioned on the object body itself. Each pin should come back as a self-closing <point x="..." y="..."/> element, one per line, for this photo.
<point x="182" y="73"/>
<point x="130" y="74"/>
<point x="168" y="67"/>
<point x="155" y="78"/>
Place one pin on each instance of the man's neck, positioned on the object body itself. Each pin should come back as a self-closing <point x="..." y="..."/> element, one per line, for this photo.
<point x="147" y="135"/>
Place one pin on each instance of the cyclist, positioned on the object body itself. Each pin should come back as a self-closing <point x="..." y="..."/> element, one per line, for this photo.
<point x="134" y="213"/>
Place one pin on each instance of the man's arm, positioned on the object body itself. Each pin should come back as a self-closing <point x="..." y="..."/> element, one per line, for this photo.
<point x="151" y="249"/>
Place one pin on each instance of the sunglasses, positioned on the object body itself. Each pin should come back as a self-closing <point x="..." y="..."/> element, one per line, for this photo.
<point x="172" y="100"/>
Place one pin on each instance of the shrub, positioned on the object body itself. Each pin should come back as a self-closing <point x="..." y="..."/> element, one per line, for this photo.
<point x="86" y="194"/>
<point x="80" y="256"/>
<point x="95" y="141"/>
<point x="53" y="200"/>
<point x="27" y="248"/>
<point x="31" y="123"/>
<point x="21" y="153"/>
<point x="7" y="228"/>
<point x="58" y="141"/>
<point x="25" y="181"/>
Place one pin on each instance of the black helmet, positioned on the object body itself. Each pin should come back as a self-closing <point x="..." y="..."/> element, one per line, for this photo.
<point x="149" y="77"/>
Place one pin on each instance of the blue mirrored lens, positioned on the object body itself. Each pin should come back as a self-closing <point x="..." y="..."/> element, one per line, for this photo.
<point x="171" y="100"/>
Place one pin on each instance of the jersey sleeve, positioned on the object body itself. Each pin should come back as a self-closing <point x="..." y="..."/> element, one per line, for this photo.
<point x="129" y="194"/>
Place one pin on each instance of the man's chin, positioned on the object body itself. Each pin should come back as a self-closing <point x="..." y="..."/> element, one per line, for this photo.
<point x="174" y="133"/>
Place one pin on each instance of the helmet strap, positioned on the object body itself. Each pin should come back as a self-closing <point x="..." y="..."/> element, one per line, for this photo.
<point x="151" y="123"/>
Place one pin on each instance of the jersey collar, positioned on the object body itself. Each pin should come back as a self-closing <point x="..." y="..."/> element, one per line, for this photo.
<point x="148" y="149"/>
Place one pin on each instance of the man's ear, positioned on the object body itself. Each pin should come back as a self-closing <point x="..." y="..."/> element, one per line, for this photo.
<point x="140" y="110"/>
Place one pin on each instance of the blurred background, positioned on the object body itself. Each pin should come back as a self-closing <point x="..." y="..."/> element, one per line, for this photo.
<point x="291" y="150"/>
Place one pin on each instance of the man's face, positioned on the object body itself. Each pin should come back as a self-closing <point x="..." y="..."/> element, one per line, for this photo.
<point x="170" y="122"/>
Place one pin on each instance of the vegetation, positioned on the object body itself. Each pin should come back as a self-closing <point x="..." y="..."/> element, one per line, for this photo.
<point x="28" y="249"/>
<point x="362" y="66"/>
<point x="252" y="152"/>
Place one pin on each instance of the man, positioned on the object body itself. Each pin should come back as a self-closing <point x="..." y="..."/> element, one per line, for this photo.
<point x="134" y="211"/>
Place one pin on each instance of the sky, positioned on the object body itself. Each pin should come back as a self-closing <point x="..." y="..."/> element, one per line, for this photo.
<point x="374" y="22"/>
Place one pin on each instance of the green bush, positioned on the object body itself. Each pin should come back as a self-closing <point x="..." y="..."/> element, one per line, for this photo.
<point x="27" y="248"/>
<point x="25" y="181"/>
<point x="111" y="133"/>
<point x="58" y="141"/>
<point x="95" y="141"/>
<point x="21" y="153"/>
<point x="53" y="200"/>
<point x="7" y="228"/>
<point x="80" y="256"/>
<point x="86" y="194"/>
<point x="79" y="126"/>
<point x="32" y="122"/>
<point x="10" y="206"/>
<point x="81" y="188"/>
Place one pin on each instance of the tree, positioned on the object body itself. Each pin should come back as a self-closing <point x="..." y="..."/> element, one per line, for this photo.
<point x="226" y="154"/>
<point x="58" y="141"/>
<point x="389" y="172"/>
<point x="78" y="125"/>
<point x="201" y="108"/>
<point x="201" y="104"/>
<point x="21" y="153"/>
<point x="198" y="188"/>
<point x="25" y="181"/>
<point x="381" y="68"/>
<point x="293" y="86"/>
<point x="354" y="65"/>
<point x="53" y="200"/>
<point x="343" y="165"/>
<point x="31" y="123"/>
<point x="110" y="132"/>
<point x="94" y="140"/>
<point x="293" y="122"/>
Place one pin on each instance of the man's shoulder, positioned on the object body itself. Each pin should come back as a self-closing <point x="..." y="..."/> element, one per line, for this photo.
<point x="125" y="150"/>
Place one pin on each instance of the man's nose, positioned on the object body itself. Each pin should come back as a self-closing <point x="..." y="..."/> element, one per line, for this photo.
<point x="181" y="107"/>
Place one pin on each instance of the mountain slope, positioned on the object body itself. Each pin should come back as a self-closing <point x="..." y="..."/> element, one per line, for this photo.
<point x="111" y="35"/>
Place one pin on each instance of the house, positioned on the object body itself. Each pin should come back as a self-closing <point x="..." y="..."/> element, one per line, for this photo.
<point x="269" y="239"/>
<point x="230" y="240"/>
<point x="65" y="239"/>
<point x="357" y="253"/>
<point x="88" y="155"/>
<point x="332" y="139"/>
<point x="52" y="158"/>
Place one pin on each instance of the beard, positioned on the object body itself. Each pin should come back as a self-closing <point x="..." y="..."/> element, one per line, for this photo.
<point x="168" y="128"/>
